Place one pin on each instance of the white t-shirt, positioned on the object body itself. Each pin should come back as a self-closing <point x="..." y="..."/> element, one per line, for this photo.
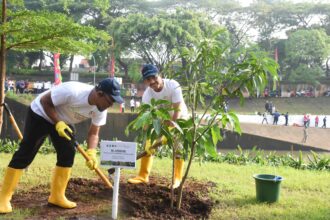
<point x="137" y="104"/>
<point x="71" y="104"/>
<point x="132" y="103"/>
<point x="171" y="92"/>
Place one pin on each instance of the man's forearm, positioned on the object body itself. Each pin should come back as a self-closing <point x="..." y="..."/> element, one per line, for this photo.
<point x="92" y="141"/>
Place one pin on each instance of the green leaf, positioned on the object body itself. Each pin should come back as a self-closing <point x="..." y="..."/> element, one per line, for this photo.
<point x="163" y="114"/>
<point x="143" y="120"/>
<point x="215" y="133"/>
<point x="210" y="148"/>
<point x="157" y="125"/>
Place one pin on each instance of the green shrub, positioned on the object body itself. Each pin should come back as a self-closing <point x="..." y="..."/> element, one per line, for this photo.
<point x="8" y="146"/>
<point x="315" y="161"/>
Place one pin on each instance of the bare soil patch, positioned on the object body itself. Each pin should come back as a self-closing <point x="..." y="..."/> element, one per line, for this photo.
<point x="94" y="200"/>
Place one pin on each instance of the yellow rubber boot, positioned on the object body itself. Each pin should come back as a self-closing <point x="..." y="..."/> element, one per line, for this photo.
<point x="178" y="172"/>
<point x="10" y="182"/>
<point x="143" y="177"/>
<point x="59" y="183"/>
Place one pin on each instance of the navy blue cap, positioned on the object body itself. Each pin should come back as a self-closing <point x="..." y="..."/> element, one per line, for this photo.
<point x="149" y="70"/>
<point x="111" y="87"/>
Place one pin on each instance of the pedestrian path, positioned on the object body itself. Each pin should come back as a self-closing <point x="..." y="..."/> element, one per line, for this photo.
<point x="317" y="137"/>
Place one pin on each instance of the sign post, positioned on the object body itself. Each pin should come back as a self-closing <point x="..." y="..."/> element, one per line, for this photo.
<point x="117" y="154"/>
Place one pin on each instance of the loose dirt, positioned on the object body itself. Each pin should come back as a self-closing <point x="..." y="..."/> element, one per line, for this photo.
<point x="94" y="200"/>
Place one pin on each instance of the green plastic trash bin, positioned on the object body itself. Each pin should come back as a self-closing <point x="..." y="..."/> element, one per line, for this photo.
<point x="267" y="187"/>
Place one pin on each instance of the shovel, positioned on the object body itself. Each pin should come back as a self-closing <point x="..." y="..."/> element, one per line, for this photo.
<point x="87" y="158"/>
<point x="12" y="121"/>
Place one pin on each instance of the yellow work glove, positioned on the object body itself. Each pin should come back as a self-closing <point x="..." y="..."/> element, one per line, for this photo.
<point x="147" y="147"/>
<point x="164" y="140"/>
<point x="92" y="163"/>
<point x="61" y="127"/>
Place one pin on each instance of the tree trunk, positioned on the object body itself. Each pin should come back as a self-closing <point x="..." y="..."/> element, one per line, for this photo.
<point x="71" y="64"/>
<point x="2" y="62"/>
<point x="172" y="190"/>
<point x="179" y="197"/>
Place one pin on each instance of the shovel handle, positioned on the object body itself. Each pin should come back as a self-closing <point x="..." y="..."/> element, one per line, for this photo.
<point x="87" y="158"/>
<point x="12" y="121"/>
<point x="97" y="170"/>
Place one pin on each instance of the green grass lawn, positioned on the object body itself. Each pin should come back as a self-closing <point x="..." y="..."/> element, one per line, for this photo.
<point x="304" y="194"/>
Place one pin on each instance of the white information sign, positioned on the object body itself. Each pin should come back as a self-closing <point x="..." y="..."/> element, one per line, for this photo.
<point x="118" y="154"/>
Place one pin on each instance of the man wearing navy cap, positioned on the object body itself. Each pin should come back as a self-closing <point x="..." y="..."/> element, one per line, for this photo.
<point x="166" y="89"/>
<point x="53" y="114"/>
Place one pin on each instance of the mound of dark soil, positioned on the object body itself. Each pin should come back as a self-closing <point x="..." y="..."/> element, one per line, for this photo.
<point x="94" y="200"/>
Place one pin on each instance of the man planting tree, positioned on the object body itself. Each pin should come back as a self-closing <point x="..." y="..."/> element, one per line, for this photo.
<point x="170" y="90"/>
<point x="53" y="113"/>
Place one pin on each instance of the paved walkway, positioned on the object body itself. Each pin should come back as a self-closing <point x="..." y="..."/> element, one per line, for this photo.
<point x="317" y="137"/>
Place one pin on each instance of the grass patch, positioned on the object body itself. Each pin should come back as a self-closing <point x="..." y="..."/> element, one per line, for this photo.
<point x="304" y="194"/>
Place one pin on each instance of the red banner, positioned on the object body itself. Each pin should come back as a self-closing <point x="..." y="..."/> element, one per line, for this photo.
<point x="57" y="69"/>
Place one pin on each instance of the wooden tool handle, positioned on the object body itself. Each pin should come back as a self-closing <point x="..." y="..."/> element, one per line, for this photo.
<point x="97" y="170"/>
<point x="13" y="122"/>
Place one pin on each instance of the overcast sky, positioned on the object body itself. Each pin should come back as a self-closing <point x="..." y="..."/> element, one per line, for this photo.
<point x="247" y="2"/>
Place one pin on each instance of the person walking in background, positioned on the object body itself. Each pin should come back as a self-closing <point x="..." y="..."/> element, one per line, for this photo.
<point x="132" y="104"/>
<point x="305" y="135"/>
<point x="122" y="107"/>
<point x="270" y="108"/>
<point x="276" y="116"/>
<point x="273" y="109"/>
<point x="267" y="106"/>
<point x="305" y="120"/>
<point x="308" y="120"/>
<point x="264" y="118"/>
<point x="286" y="116"/>
<point x="316" y="121"/>
<point x="137" y="104"/>
<point x="324" y="122"/>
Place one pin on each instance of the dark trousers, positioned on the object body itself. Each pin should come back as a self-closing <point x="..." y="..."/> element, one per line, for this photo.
<point x="35" y="132"/>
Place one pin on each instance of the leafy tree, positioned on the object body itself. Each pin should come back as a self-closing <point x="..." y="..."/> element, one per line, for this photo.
<point x="156" y="39"/>
<point x="305" y="52"/>
<point x="87" y="12"/>
<point x="209" y="80"/>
